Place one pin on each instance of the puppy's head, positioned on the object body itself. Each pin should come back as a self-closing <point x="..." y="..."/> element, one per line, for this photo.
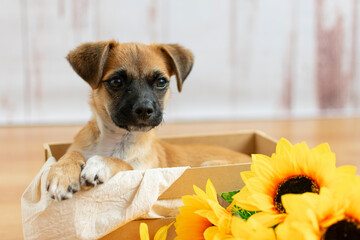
<point x="130" y="81"/>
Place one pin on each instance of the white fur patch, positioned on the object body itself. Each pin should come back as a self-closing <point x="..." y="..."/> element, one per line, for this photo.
<point x="95" y="171"/>
<point x="59" y="192"/>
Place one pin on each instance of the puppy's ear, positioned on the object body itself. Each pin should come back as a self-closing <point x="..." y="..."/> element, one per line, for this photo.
<point x="88" y="60"/>
<point x="180" y="60"/>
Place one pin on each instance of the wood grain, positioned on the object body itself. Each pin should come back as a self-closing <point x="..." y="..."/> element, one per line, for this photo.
<point x="22" y="154"/>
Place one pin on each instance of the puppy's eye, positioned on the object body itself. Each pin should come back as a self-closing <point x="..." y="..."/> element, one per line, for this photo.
<point x="161" y="83"/>
<point x="115" y="83"/>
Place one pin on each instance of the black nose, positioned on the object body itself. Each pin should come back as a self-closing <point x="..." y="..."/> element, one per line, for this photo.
<point x="144" y="111"/>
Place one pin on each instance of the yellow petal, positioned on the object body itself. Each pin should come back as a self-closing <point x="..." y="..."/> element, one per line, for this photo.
<point x="263" y="169"/>
<point x="210" y="191"/>
<point x="295" y="231"/>
<point x="312" y="219"/>
<point x="242" y="200"/>
<point x="200" y="192"/>
<point x="283" y="165"/>
<point x="237" y="226"/>
<point x="251" y="229"/>
<point x="299" y="157"/>
<point x="243" y="194"/>
<point x="261" y="157"/>
<point x="246" y="175"/>
<point x="218" y="210"/>
<point x="295" y="203"/>
<point x="209" y="215"/>
<point x="224" y="224"/>
<point x="195" y="202"/>
<point x="351" y="170"/>
<point x="216" y="213"/>
<point x="268" y="219"/>
<point x="264" y="234"/>
<point x="263" y="202"/>
<point x="210" y="233"/>
<point x="283" y="146"/>
<point x="259" y="185"/>
<point x="323" y="148"/>
<point x="161" y="234"/>
<point x="144" y="231"/>
<point x="213" y="233"/>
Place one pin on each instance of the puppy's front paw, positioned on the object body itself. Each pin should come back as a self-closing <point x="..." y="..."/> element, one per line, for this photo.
<point x="63" y="180"/>
<point x="96" y="171"/>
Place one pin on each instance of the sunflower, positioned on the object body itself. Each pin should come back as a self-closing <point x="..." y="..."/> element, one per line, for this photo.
<point x="220" y="218"/>
<point x="325" y="216"/>
<point x="250" y="230"/>
<point x="229" y="227"/>
<point x="291" y="169"/>
<point x="161" y="234"/>
<point x="241" y="230"/>
<point x="191" y="223"/>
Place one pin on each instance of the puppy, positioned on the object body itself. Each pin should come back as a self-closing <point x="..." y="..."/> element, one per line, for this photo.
<point x="130" y="87"/>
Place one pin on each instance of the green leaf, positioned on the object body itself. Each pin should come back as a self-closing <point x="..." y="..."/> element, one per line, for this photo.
<point x="244" y="214"/>
<point x="236" y="211"/>
<point x="228" y="196"/>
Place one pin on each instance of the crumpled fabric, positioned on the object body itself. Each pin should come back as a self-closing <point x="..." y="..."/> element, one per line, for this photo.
<point x="91" y="214"/>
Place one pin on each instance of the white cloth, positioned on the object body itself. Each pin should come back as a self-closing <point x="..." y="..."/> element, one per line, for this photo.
<point x="94" y="213"/>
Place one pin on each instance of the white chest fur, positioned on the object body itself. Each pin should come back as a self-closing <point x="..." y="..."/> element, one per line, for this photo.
<point x="127" y="146"/>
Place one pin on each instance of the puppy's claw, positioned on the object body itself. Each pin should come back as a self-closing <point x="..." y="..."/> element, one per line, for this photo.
<point x="95" y="171"/>
<point x="97" y="180"/>
<point x="88" y="183"/>
<point x="63" y="179"/>
<point x="73" y="188"/>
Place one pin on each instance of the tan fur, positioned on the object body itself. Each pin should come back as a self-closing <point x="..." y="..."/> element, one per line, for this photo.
<point x="112" y="149"/>
<point x="71" y="164"/>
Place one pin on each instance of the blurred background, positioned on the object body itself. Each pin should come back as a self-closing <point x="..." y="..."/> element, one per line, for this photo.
<point x="254" y="59"/>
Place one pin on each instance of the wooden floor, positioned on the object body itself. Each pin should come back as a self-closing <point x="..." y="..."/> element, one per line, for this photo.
<point x="22" y="154"/>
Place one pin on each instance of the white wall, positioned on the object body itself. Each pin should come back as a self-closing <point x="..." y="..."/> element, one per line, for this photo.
<point x="253" y="58"/>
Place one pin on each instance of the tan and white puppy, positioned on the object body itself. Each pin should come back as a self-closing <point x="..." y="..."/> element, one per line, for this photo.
<point x="130" y="87"/>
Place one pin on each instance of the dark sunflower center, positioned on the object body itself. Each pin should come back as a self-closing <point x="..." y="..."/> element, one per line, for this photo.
<point x="298" y="184"/>
<point x="347" y="229"/>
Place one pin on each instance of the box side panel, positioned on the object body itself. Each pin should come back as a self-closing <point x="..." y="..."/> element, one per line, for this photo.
<point x="58" y="150"/>
<point x="131" y="229"/>
<point x="240" y="142"/>
<point x="264" y="144"/>
<point x="47" y="151"/>
<point x="225" y="179"/>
